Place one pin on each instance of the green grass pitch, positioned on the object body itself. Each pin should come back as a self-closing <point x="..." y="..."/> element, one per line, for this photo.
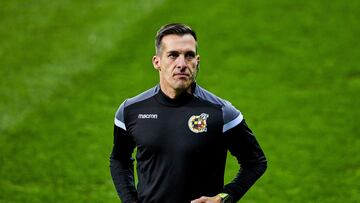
<point x="291" y="67"/>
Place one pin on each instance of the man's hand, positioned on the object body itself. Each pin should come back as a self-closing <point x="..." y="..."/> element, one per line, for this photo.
<point x="204" y="199"/>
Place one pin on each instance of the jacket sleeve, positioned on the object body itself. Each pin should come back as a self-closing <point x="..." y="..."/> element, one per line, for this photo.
<point x="243" y="145"/>
<point x="121" y="165"/>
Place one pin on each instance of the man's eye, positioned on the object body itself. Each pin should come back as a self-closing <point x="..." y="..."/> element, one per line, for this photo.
<point x="173" y="56"/>
<point x="190" y="55"/>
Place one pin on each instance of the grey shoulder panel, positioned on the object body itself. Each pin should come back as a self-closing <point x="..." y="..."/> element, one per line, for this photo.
<point x="119" y="116"/>
<point x="231" y="116"/>
<point x="143" y="96"/>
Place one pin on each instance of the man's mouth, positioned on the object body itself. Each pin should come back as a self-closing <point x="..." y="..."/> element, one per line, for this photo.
<point x="181" y="75"/>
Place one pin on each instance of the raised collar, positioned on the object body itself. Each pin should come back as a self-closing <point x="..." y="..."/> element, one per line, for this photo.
<point x="182" y="99"/>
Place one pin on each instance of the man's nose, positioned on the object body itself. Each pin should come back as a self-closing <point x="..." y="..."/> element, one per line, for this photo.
<point x="181" y="62"/>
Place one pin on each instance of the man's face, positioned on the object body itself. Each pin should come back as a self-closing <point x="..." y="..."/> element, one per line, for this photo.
<point x="177" y="62"/>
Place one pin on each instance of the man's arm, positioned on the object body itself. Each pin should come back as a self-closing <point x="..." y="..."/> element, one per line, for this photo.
<point x="122" y="167"/>
<point x="243" y="145"/>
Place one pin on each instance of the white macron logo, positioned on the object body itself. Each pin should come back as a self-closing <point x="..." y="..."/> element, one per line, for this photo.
<point x="145" y="116"/>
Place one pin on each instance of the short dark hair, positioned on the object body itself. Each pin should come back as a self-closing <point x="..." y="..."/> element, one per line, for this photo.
<point x="172" y="28"/>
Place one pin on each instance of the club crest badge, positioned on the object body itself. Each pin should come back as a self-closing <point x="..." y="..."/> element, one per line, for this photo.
<point x="197" y="124"/>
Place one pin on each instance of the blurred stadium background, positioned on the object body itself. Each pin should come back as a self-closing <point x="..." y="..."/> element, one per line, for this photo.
<point x="291" y="67"/>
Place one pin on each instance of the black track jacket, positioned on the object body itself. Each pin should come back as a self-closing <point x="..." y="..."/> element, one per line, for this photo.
<point x="181" y="146"/>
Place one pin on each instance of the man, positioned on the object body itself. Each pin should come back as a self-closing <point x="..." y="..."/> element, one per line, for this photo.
<point x="182" y="134"/>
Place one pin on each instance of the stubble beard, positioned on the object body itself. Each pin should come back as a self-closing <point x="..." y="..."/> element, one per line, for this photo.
<point x="183" y="85"/>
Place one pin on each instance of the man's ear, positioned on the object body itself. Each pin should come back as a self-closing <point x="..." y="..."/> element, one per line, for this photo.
<point x="198" y="61"/>
<point x="156" y="62"/>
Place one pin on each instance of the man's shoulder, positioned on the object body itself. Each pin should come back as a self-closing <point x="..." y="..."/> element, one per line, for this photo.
<point x="142" y="96"/>
<point x="231" y="115"/>
<point x="210" y="97"/>
<point x="119" y="115"/>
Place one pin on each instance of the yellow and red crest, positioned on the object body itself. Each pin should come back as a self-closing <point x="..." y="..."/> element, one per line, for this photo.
<point x="197" y="124"/>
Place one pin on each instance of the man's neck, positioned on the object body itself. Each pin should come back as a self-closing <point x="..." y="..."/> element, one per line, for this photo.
<point x="174" y="93"/>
